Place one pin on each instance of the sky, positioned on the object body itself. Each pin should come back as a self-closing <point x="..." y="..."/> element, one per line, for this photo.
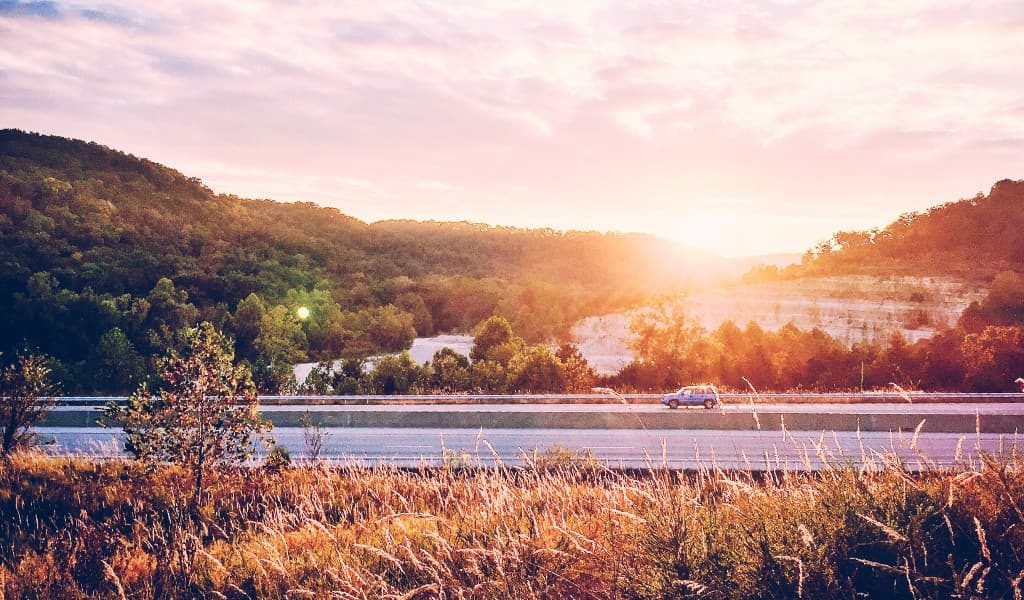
<point x="740" y="127"/>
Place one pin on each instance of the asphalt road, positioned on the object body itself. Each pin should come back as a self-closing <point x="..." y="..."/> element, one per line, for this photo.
<point x="993" y="408"/>
<point x="757" y="450"/>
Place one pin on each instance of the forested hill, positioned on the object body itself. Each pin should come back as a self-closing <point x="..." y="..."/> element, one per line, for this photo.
<point x="100" y="249"/>
<point x="973" y="239"/>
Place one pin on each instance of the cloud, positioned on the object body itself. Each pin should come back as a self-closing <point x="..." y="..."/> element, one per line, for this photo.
<point x="559" y="107"/>
<point x="37" y="9"/>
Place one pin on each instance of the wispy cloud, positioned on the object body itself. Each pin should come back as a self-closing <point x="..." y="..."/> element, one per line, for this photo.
<point x="588" y="114"/>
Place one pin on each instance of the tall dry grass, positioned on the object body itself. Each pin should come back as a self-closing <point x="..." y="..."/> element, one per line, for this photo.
<point x="564" y="526"/>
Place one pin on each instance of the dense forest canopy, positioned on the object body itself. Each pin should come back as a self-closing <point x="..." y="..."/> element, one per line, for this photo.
<point x="106" y="255"/>
<point x="973" y="239"/>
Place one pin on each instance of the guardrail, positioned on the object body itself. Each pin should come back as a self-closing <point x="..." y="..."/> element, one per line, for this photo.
<point x="779" y="398"/>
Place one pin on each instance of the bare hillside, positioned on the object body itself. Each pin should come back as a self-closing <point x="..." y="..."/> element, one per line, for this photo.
<point x="850" y="308"/>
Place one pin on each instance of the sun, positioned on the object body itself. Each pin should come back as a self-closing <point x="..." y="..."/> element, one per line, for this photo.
<point x="703" y="230"/>
<point x="302" y="312"/>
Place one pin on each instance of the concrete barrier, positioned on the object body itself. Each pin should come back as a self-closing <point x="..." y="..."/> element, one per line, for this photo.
<point x="767" y="419"/>
<point x="728" y="398"/>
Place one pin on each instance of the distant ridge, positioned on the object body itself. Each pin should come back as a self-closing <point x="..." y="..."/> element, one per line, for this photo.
<point x="79" y="216"/>
<point x="974" y="239"/>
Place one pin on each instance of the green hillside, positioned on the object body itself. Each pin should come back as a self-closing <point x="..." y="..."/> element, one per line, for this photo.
<point x="973" y="239"/>
<point x="104" y="255"/>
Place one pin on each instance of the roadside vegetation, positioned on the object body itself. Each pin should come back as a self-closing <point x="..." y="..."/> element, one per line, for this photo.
<point x="563" y="527"/>
<point x="983" y="353"/>
<point x="205" y="415"/>
<point x="25" y="391"/>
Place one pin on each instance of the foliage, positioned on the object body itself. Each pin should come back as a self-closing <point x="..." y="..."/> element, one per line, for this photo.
<point x="994" y="357"/>
<point x="974" y="238"/>
<point x="449" y="371"/>
<point x="277" y="459"/>
<point x="335" y="378"/>
<point x="565" y="527"/>
<point x="670" y="344"/>
<point x="536" y="369"/>
<point x="1004" y="304"/>
<point x="396" y="374"/>
<point x="314" y="436"/>
<point x="204" y="415"/>
<point x="495" y="341"/>
<point x="25" y="391"/>
<point x="673" y="350"/>
<point x="117" y="366"/>
<point x="105" y="256"/>
<point x="95" y="240"/>
<point x="577" y="374"/>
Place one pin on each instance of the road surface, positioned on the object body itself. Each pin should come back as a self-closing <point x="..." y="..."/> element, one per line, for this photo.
<point x="990" y="408"/>
<point x="756" y="450"/>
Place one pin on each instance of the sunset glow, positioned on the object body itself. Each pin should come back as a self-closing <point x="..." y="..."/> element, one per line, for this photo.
<point x="761" y="126"/>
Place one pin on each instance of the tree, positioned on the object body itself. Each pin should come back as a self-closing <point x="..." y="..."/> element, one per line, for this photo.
<point x="450" y="371"/>
<point x="1004" y="304"/>
<point x="167" y="310"/>
<point x="320" y="380"/>
<point x="280" y="345"/>
<point x="395" y="374"/>
<point x="579" y="375"/>
<point x="24" y="398"/>
<point x="248" y="323"/>
<point x="391" y="329"/>
<point x="993" y="358"/>
<point x="672" y="343"/>
<point x="205" y="414"/>
<point x="488" y="376"/>
<point x="116" y="366"/>
<point x="422" y="320"/>
<point x="536" y="369"/>
<point x="494" y="341"/>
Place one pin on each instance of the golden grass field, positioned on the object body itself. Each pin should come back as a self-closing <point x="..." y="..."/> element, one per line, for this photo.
<point x="564" y="526"/>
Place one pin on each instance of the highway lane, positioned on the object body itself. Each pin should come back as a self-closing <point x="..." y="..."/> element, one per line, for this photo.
<point x="995" y="418"/>
<point x="562" y="399"/>
<point x="683" y="449"/>
<point x="992" y="408"/>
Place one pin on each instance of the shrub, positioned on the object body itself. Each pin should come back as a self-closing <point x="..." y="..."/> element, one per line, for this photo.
<point x="206" y="414"/>
<point x="24" y="398"/>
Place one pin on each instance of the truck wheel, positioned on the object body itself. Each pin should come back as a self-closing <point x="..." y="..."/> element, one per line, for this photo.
<point x="709" y="404"/>
<point x="673" y="403"/>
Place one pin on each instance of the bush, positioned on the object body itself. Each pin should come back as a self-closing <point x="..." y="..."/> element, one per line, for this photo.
<point x="205" y="415"/>
<point x="24" y="398"/>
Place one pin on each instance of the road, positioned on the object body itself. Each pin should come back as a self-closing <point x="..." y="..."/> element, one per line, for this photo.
<point x="681" y="449"/>
<point x="990" y="408"/>
<point x="845" y="409"/>
<point x="996" y="418"/>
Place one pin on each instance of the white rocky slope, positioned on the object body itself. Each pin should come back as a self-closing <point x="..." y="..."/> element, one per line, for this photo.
<point x="421" y="351"/>
<point x="850" y="308"/>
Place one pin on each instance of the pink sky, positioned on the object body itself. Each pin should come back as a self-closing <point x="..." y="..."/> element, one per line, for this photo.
<point x="746" y="127"/>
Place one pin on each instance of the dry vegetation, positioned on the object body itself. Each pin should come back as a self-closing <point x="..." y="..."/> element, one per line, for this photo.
<point x="562" y="527"/>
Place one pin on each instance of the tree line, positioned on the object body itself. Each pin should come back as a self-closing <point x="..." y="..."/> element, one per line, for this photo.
<point x="500" y="362"/>
<point x="984" y="352"/>
<point x="973" y="238"/>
